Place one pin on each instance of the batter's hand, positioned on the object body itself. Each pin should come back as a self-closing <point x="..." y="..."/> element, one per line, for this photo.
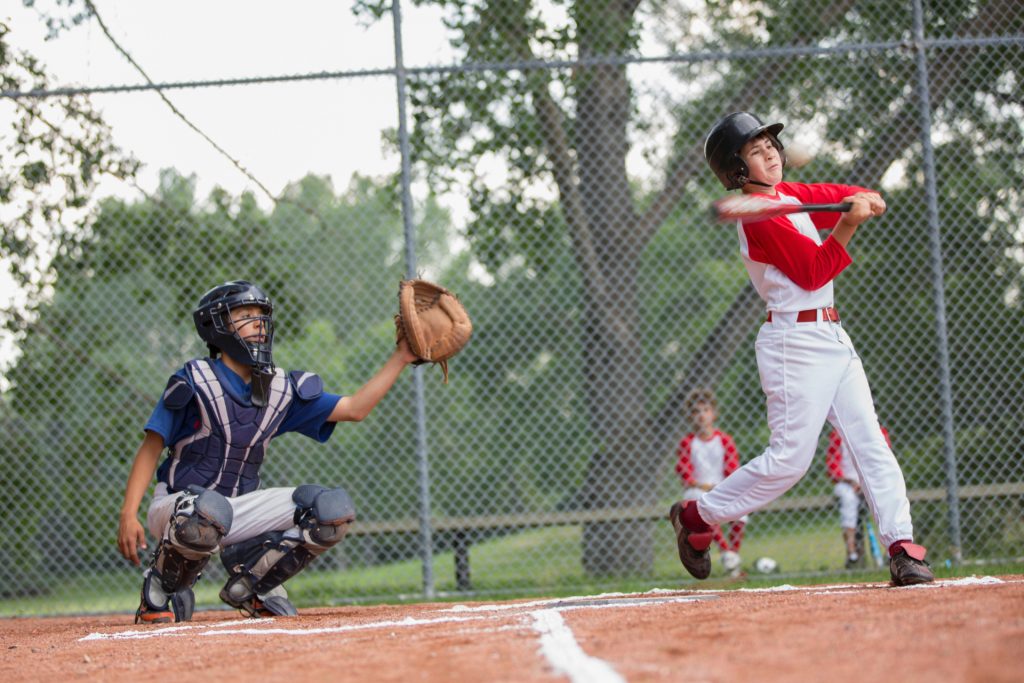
<point x="131" y="538"/>
<point x="864" y="206"/>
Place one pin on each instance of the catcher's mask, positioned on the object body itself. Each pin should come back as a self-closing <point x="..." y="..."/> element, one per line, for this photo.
<point x="726" y="139"/>
<point x="213" y="322"/>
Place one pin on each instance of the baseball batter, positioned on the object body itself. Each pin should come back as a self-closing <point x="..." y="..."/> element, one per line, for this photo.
<point x="215" y="418"/>
<point x="809" y="369"/>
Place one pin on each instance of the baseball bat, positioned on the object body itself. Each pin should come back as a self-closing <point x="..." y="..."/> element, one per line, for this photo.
<point x="746" y="207"/>
<point x="876" y="548"/>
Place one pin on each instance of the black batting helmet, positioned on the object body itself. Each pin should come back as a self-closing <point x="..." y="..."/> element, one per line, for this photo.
<point x="212" y="318"/>
<point x="726" y="139"/>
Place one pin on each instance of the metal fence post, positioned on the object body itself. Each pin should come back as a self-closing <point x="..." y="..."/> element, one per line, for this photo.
<point x="422" y="454"/>
<point x="941" y="329"/>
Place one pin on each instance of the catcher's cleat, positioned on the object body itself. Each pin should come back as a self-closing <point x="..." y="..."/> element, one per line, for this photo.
<point x="693" y="547"/>
<point x="146" y="615"/>
<point x="908" y="567"/>
<point x="273" y="603"/>
<point x="271" y="606"/>
<point x="157" y="607"/>
<point x="275" y="606"/>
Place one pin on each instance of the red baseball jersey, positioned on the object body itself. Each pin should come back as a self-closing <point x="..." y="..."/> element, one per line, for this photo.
<point x="789" y="265"/>
<point x="707" y="461"/>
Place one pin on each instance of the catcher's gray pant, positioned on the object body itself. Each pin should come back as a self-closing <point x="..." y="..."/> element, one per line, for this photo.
<point x="254" y="513"/>
<point x="810" y="372"/>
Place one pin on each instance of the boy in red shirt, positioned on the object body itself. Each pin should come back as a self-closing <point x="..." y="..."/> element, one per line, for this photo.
<point x="707" y="455"/>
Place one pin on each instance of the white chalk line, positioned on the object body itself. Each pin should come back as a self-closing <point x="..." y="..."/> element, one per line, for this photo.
<point x="560" y="604"/>
<point x="226" y="629"/>
<point x="559" y="647"/>
<point x="558" y="644"/>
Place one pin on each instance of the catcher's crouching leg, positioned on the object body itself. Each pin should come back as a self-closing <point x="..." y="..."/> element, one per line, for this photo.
<point x="258" y="567"/>
<point x="201" y="519"/>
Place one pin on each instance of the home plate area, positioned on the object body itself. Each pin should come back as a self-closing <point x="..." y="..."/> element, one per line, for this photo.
<point x="960" y="629"/>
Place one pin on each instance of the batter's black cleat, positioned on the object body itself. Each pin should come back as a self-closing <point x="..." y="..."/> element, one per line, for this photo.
<point x="908" y="567"/>
<point x="694" y="550"/>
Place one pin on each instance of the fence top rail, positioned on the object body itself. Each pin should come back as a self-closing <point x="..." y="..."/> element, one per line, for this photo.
<point x="524" y="65"/>
<point x="644" y="512"/>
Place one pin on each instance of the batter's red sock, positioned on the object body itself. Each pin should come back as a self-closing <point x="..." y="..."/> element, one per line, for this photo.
<point x="692" y="519"/>
<point x="915" y="551"/>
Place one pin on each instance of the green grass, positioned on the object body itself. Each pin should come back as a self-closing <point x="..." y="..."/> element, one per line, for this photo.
<point x="535" y="562"/>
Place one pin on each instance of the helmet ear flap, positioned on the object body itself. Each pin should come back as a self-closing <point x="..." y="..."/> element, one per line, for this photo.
<point x="739" y="175"/>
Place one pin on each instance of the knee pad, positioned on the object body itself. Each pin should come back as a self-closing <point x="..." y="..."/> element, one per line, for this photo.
<point x="200" y="521"/>
<point x="323" y="515"/>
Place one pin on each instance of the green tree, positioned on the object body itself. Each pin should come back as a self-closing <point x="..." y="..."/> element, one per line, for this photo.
<point x="573" y="128"/>
<point x="118" y="323"/>
<point x="53" y="152"/>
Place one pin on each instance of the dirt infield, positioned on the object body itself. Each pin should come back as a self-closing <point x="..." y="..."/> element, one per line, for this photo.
<point x="955" y="630"/>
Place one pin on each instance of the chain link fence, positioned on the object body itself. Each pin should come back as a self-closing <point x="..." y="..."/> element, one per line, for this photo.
<point x="554" y="178"/>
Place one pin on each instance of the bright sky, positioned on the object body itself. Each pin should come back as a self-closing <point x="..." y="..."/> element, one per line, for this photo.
<point x="279" y="132"/>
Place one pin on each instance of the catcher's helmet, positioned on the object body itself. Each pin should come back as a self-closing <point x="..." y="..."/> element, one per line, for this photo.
<point x="726" y="139"/>
<point x="213" y="322"/>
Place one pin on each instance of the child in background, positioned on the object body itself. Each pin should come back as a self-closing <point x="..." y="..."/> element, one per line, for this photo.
<point x="706" y="456"/>
<point x="841" y="470"/>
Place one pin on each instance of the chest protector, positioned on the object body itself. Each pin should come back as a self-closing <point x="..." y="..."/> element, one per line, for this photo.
<point x="226" y="452"/>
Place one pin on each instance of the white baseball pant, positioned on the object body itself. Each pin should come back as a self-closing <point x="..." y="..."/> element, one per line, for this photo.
<point x="810" y="373"/>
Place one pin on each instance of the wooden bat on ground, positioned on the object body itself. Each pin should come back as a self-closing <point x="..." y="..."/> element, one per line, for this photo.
<point x="750" y="208"/>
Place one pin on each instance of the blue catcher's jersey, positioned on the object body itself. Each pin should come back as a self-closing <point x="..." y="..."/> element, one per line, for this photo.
<point x="217" y="439"/>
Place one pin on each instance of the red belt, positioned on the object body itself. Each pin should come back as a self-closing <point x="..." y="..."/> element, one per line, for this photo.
<point x="811" y="315"/>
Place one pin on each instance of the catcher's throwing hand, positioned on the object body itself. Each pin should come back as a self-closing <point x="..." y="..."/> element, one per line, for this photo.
<point x="432" y="321"/>
<point x="130" y="539"/>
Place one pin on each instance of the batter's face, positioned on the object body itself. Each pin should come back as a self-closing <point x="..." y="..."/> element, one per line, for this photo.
<point x="764" y="163"/>
<point x="249" y="323"/>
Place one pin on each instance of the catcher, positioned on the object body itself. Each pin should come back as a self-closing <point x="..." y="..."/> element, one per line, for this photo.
<point x="215" y="418"/>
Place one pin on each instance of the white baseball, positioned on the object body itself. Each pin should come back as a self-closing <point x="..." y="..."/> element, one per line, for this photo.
<point x="797" y="155"/>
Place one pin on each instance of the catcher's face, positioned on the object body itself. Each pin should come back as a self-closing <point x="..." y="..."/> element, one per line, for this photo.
<point x="251" y="323"/>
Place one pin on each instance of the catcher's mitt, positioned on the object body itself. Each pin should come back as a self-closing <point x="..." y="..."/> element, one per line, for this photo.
<point x="433" y="321"/>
